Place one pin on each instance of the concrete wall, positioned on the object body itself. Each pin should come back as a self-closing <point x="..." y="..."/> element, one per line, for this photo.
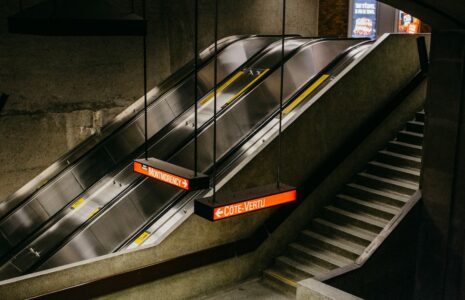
<point x="63" y="89"/>
<point x="322" y="137"/>
<point x="311" y="289"/>
<point x="333" y="18"/>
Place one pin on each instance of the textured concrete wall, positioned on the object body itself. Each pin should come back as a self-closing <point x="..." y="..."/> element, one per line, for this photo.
<point x="311" y="289"/>
<point x="333" y="18"/>
<point x="441" y="255"/>
<point x="63" y="89"/>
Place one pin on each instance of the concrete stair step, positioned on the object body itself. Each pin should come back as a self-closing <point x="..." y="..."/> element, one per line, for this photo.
<point x="366" y="193"/>
<point x="359" y="213"/>
<point x="340" y="246"/>
<point x="343" y="230"/>
<point x="410" y="137"/>
<point x="376" y="209"/>
<point x="321" y="257"/>
<point x="386" y="184"/>
<point x="420" y="116"/>
<point x="399" y="160"/>
<point x="393" y="172"/>
<point x="405" y="148"/>
<point x="280" y="281"/>
<point x="415" y="126"/>
<point x="298" y="268"/>
<point x="357" y="218"/>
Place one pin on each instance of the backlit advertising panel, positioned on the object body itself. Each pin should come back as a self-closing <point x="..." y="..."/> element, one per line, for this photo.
<point x="408" y="23"/>
<point x="363" y="22"/>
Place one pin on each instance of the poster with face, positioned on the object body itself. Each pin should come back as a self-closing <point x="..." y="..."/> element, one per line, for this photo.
<point x="408" y="23"/>
<point x="364" y="13"/>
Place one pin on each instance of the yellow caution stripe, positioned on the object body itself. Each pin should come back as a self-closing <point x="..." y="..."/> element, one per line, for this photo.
<point x="247" y="87"/>
<point x="93" y="213"/>
<point x="142" y="238"/>
<point x="304" y="95"/>
<point x="283" y="279"/>
<point x="78" y="203"/>
<point x="222" y="87"/>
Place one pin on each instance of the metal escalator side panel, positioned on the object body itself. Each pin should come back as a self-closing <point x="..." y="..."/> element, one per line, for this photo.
<point x="49" y="174"/>
<point x="96" y="165"/>
<point x="124" y="143"/>
<point x="129" y="212"/>
<point x="90" y="169"/>
<point x="89" y="246"/>
<point x="94" y="199"/>
<point x="232" y="55"/>
<point x="120" y="146"/>
<point x="29" y="217"/>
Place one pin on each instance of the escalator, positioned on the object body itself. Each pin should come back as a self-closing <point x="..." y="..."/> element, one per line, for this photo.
<point x="62" y="187"/>
<point x="121" y="210"/>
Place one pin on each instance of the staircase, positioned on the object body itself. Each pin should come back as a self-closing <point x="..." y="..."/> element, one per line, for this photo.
<point x="357" y="215"/>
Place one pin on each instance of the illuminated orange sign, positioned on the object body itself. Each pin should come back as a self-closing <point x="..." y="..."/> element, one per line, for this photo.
<point x="160" y="175"/>
<point x="408" y="23"/>
<point x="252" y="205"/>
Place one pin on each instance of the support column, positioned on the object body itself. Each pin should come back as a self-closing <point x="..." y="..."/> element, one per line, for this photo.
<point x="440" y="271"/>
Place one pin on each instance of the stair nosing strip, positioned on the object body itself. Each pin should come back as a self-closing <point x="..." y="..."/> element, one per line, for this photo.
<point x="391" y="195"/>
<point x="382" y="208"/>
<point x="355" y="214"/>
<point x="406" y="185"/>
<point x="333" y="242"/>
<point x="328" y="256"/>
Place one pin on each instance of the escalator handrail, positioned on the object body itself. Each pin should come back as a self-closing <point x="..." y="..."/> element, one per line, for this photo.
<point x="109" y="205"/>
<point x="56" y="217"/>
<point x="91" y="142"/>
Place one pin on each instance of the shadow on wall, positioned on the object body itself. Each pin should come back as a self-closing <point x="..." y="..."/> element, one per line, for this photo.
<point x="3" y="98"/>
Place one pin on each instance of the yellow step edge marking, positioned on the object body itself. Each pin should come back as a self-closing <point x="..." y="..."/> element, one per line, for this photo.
<point x="93" y="213"/>
<point x="78" y="203"/>
<point x="284" y="279"/>
<point x="307" y="92"/>
<point x="222" y="87"/>
<point x="246" y="87"/>
<point x="142" y="238"/>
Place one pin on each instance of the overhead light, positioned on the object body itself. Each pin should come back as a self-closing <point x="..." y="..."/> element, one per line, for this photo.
<point x="76" y="18"/>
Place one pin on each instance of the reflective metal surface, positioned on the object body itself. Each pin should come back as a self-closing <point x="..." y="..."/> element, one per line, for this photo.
<point x="145" y="197"/>
<point x="73" y="183"/>
<point x="121" y="205"/>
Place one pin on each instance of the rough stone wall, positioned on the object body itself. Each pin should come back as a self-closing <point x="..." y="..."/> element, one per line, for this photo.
<point x="63" y="89"/>
<point x="333" y="18"/>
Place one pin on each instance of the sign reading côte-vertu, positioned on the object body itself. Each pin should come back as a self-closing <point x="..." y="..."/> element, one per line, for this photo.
<point x="249" y="201"/>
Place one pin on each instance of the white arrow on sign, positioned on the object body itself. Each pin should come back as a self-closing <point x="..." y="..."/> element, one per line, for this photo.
<point x="184" y="183"/>
<point x="219" y="213"/>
